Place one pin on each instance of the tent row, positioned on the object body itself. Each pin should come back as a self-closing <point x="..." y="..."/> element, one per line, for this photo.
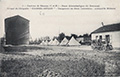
<point x="64" y="42"/>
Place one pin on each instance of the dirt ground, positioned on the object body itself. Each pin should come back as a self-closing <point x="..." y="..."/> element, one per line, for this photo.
<point x="60" y="61"/>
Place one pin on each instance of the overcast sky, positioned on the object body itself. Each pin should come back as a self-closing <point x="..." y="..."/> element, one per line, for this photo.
<point x="55" y="21"/>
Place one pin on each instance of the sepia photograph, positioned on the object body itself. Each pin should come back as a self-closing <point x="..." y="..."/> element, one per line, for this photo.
<point x="59" y="38"/>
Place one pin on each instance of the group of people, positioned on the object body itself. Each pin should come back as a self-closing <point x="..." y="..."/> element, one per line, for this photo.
<point x="101" y="44"/>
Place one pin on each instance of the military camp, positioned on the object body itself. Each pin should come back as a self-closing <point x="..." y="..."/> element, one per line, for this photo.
<point x="94" y="54"/>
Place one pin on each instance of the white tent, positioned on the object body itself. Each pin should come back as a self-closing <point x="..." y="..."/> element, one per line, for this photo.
<point x="73" y="42"/>
<point x="46" y="42"/>
<point x="55" y="42"/>
<point x="50" y="43"/>
<point x="64" y="41"/>
<point x="42" y="43"/>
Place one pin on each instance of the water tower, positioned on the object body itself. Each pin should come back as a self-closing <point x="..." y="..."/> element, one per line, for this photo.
<point x="17" y="30"/>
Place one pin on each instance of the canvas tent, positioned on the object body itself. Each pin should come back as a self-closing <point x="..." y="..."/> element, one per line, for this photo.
<point x="55" y="42"/>
<point x="42" y="43"/>
<point x="46" y="42"/>
<point x="50" y="43"/>
<point x="73" y="42"/>
<point x="64" y="41"/>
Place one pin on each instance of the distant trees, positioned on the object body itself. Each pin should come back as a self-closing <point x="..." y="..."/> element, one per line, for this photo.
<point x="46" y="38"/>
<point x="68" y="37"/>
<point x="39" y="40"/>
<point x="74" y="35"/>
<point x="55" y="37"/>
<point x="61" y="37"/>
<point x="86" y="38"/>
<point x="86" y="35"/>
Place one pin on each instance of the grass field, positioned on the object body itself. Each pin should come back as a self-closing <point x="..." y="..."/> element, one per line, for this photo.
<point x="56" y="61"/>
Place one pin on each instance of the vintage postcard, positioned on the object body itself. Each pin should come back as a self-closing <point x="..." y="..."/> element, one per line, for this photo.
<point x="59" y="38"/>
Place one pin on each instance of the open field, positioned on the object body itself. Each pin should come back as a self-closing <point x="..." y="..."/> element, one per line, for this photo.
<point x="56" y="61"/>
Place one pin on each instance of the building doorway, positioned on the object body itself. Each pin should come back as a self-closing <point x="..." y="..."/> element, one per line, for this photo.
<point x="107" y="37"/>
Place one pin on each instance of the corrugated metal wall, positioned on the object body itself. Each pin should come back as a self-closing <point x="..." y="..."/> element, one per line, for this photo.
<point x="17" y="30"/>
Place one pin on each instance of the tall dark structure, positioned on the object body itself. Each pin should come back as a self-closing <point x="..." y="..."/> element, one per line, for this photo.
<point x="17" y="30"/>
